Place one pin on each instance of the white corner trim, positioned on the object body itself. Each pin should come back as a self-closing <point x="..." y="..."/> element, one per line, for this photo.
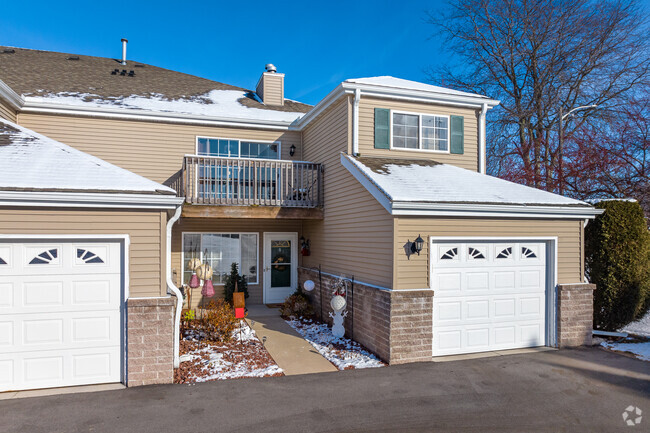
<point x="92" y="200"/>
<point x="355" y="122"/>
<point x="14" y="99"/>
<point x="482" y="158"/>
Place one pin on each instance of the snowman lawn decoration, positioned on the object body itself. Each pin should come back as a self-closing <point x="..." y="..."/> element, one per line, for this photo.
<point x="338" y="304"/>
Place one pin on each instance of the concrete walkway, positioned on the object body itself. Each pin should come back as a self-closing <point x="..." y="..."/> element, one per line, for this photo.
<point x="290" y="351"/>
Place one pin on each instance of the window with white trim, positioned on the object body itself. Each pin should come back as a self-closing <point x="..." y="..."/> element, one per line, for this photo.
<point x="420" y="132"/>
<point x="220" y="251"/>
<point x="207" y="146"/>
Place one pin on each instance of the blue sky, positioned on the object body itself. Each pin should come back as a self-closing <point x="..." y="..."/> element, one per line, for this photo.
<point x="316" y="45"/>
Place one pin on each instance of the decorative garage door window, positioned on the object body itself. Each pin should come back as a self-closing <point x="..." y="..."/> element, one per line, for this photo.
<point x="476" y="253"/>
<point x="88" y="256"/>
<point x="505" y="253"/>
<point x="2" y="261"/>
<point x="527" y="253"/>
<point x="46" y="257"/>
<point x="220" y="251"/>
<point x="450" y="254"/>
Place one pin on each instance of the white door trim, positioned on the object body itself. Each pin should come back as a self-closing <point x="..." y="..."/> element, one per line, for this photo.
<point x="125" y="244"/>
<point x="551" y="272"/>
<point x="266" y="283"/>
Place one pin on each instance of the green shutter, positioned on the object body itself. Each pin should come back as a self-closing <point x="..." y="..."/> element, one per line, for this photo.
<point x="457" y="135"/>
<point x="382" y="128"/>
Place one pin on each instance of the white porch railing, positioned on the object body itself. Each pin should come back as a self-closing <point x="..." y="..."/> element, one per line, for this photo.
<point x="248" y="181"/>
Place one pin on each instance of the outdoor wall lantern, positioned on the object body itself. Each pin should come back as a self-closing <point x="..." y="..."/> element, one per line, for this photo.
<point x="417" y="245"/>
<point x="292" y="150"/>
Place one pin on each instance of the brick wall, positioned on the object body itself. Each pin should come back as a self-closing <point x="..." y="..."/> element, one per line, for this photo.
<point x="395" y="325"/>
<point x="150" y="324"/>
<point x="575" y="314"/>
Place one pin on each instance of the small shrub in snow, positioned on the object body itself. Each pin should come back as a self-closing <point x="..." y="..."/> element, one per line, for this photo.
<point x="296" y="305"/>
<point x="617" y="259"/>
<point x="217" y="322"/>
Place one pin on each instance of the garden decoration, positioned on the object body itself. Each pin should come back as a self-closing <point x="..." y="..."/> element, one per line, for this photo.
<point x="208" y="289"/>
<point x="239" y="302"/>
<point x="308" y="285"/>
<point x="194" y="281"/>
<point x="304" y="247"/>
<point x="338" y="304"/>
<point x="204" y="272"/>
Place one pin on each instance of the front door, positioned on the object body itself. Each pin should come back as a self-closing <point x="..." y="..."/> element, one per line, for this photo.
<point x="280" y="266"/>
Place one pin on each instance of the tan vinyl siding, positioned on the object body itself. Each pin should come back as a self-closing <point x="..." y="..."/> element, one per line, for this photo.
<point x="6" y="112"/>
<point x="355" y="236"/>
<point x="211" y="225"/>
<point x="146" y="230"/>
<point x="468" y="160"/>
<point x="153" y="150"/>
<point x="413" y="273"/>
<point x="271" y="89"/>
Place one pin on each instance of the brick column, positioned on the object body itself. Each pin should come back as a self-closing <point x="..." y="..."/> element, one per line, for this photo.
<point x="575" y="314"/>
<point x="150" y="324"/>
<point x="411" y="326"/>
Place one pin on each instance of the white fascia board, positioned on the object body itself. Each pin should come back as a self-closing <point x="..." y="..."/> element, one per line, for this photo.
<point x="321" y="106"/>
<point x="476" y="210"/>
<point x="492" y="210"/>
<point x="150" y="116"/>
<point x="14" y="99"/>
<point x="420" y="95"/>
<point x="91" y="200"/>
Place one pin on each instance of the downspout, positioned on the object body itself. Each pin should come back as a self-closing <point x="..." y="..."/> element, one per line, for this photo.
<point x="481" y="139"/>
<point x="171" y="287"/>
<point x="584" y="226"/>
<point x="355" y="122"/>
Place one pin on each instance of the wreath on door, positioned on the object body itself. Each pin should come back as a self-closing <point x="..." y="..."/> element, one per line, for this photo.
<point x="278" y="261"/>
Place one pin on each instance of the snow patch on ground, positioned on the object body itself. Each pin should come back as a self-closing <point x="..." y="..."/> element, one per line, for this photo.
<point x="244" y="356"/>
<point x="641" y="349"/>
<point x="640" y="327"/>
<point x="216" y="103"/>
<point x="344" y="353"/>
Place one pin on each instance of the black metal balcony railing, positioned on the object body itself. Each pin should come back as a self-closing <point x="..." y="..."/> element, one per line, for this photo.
<point x="248" y="181"/>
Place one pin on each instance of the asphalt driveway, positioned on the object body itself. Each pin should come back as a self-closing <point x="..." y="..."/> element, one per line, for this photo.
<point x="567" y="390"/>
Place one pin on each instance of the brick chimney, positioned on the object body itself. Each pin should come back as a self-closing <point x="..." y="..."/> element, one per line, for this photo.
<point x="270" y="87"/>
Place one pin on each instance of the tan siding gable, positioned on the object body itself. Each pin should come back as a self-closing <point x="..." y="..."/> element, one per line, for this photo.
<point x="147" y="232"/>
<point x="355" y="237"/>
<point x="6" y="112"/>
<point x="413" y="273"/>
<point x="468" y="160"/>
<point x="153" y="150"/>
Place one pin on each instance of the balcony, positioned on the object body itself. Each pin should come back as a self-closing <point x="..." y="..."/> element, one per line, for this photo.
<point x="247" y="187"/>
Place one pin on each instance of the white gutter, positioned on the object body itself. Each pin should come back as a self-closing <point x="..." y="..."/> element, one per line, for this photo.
<point x="172" y="287"/>
<point x="14" y="99"/>
<point x="150" y="116"/>
<point x="481" y="140"/>
<point x="91" y="200"/>
<point x="355" y="122"/>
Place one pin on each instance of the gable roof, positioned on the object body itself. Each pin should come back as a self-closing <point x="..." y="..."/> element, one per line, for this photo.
<point x="400" y="83"/>
<point x="32" y="162"/>
<point x="88" y="81"/>
<point x="412" y="187"/>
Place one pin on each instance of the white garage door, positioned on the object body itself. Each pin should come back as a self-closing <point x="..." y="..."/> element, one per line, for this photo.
<point x="488" y="296"/>
<point x="60" y="317"/>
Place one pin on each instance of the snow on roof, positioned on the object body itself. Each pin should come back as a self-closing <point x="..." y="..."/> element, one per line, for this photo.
<point x="215" y="103"/>
<point x="31" y="161"/>
<point x="427" y="181"/>
<point x="399" y="83"/>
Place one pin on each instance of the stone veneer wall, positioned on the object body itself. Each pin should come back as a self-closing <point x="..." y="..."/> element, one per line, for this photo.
<point x="575" y="316"/>
<point x="150" y="324"/>
<point x="395" y="325"/>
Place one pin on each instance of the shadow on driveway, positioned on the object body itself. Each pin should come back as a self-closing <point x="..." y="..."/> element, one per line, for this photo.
<point x="558" y="391"/>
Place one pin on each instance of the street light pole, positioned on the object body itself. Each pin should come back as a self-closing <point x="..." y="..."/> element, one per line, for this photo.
<point x="560" y="147"/>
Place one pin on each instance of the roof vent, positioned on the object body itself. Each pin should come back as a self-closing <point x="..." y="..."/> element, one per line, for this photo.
<point x="124" y="42"/>
<point x="139" y="66"/>
<point x="8" y="51"/>
<point x="271" y="68"/>
<point x="73" y="58"/>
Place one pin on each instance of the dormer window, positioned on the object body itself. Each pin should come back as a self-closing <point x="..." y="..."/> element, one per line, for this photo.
<point x="420" y="132"/>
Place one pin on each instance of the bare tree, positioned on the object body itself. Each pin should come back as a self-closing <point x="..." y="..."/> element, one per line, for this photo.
<point x="542" y="58"/>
